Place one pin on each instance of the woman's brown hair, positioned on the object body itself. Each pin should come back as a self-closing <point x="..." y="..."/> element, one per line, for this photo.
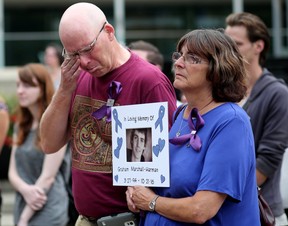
<point x="28" y="74"/>
<point x="226" y="70"/>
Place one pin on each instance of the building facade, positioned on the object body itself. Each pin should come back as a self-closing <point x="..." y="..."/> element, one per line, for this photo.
<point x="31" y="24"/>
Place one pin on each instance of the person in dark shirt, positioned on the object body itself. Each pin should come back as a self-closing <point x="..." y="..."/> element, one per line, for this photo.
<point x="266" y="103"/>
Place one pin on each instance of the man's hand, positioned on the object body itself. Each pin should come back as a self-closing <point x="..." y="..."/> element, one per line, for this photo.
<point x="69" y="74"/>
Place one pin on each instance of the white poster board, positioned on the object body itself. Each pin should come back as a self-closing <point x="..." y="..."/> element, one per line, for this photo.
<point x="135" y="126"/>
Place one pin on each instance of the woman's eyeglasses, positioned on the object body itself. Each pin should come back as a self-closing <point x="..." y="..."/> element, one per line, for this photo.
<point x="187" y="57"/>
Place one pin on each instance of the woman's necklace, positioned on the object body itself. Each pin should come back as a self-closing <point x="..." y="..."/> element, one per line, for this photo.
<point x="180" y="127"/>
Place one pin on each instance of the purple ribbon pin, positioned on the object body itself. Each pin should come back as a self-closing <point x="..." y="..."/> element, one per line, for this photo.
<point x="195" y="140"/>
<point x="113" y="92"/>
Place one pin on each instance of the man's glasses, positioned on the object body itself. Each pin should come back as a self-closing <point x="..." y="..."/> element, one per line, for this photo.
<point x="188" y="57"/>
<point x="84" y="50"/>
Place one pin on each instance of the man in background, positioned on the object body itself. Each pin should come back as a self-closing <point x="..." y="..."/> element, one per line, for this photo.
<point x="151" y="53"/>
<point x="267" y="105"/>
<point x="148" y="52"/>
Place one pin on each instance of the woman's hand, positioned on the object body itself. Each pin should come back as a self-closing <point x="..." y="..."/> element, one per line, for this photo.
<point x="140" y="197"/>
<point x="130" y="203"/>
<point x="34" y="197"/>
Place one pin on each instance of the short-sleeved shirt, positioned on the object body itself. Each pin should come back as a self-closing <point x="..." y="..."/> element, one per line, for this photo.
<point x="224" y="164"/>
<point x="267" y="107"/>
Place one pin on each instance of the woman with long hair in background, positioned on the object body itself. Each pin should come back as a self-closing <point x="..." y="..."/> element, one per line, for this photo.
<point x="41" y="197"/>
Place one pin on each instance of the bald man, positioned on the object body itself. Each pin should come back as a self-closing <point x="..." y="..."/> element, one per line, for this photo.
<point x="96" y="74"/>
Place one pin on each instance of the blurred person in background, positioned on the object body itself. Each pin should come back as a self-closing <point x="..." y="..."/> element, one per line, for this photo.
<point x="41" y="197"/>
<point x="151" y="53"/>
<point x="266" y="103"/>
<point x="4" y="126"/>
<point x="53" y="59"/>
<point x="148" y="52"/>
<point x="4" y="121"/>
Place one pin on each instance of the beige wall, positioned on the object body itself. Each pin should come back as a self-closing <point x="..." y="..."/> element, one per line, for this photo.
<point x="8" y="77"/>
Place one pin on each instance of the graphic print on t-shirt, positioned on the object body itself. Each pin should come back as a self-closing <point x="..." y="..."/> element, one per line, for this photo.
<point x="91" y="150"/>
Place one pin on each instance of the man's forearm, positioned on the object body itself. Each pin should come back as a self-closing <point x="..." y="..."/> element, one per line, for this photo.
<point x="54" y="124"/>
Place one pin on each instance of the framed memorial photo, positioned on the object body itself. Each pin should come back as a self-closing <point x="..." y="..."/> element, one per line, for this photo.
<point x="140" y="145"/>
